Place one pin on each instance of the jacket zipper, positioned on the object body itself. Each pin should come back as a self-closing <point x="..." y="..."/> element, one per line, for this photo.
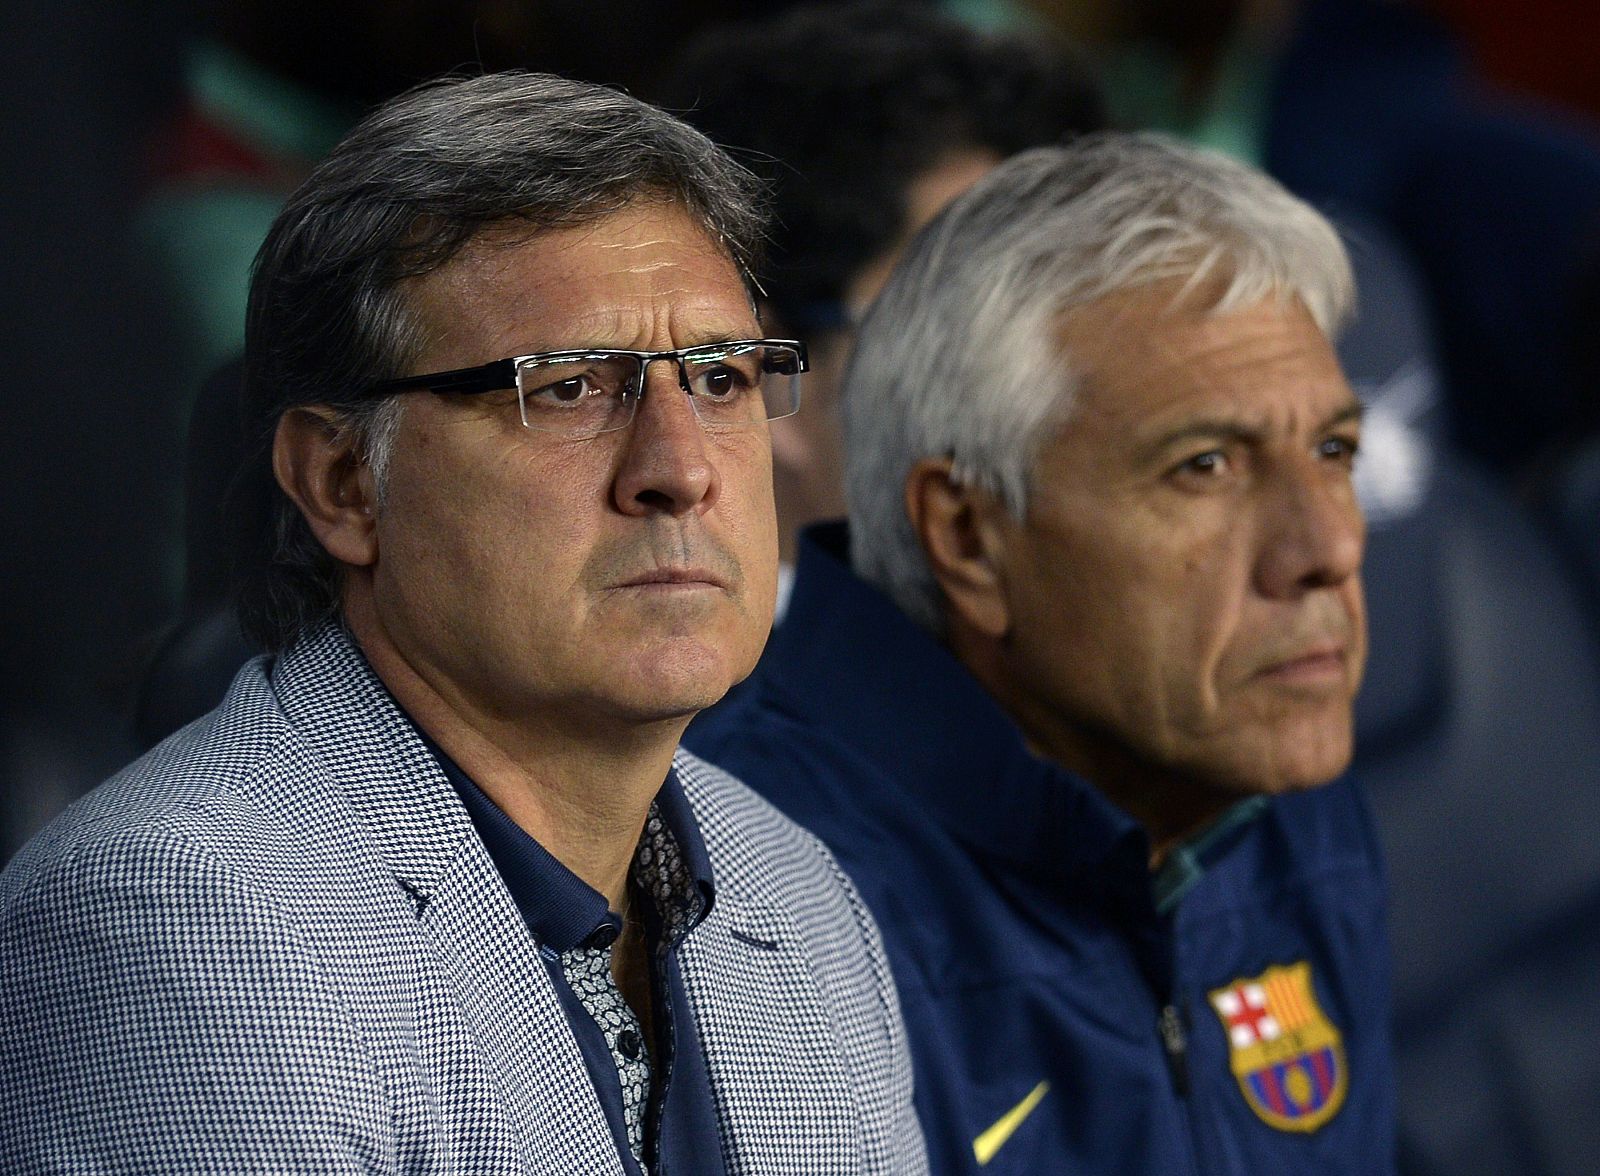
<point x="1175" y="1044"/>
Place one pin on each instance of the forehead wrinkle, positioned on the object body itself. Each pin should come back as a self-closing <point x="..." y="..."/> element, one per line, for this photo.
<point x="671" y="244"/>
<point x="683" y="322"/>
<point x="687" y="311"/>
<point x="1255" y="425"/>
<point x="1217" y="350"/>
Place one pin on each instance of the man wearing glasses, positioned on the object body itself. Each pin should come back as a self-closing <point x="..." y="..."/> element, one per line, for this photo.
<point x="434" y="889"/>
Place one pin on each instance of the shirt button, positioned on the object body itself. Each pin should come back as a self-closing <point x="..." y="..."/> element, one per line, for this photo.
<point x="628" y="1044"/>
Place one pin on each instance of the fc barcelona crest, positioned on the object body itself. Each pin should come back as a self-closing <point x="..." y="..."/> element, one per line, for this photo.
<point x="1286" y="1054"/>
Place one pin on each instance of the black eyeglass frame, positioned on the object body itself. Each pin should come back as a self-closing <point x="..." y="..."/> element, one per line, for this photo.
<point x="501" y="374"/>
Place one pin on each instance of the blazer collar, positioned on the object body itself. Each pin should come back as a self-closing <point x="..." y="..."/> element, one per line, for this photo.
<point x="362" y="738"/>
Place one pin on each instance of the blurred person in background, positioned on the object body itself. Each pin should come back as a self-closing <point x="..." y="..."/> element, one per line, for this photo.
<point x="271" y="85"/>
<point x="1071" y="700"/>
<point x="865" y="119"/>
<point x="434" y="887"/>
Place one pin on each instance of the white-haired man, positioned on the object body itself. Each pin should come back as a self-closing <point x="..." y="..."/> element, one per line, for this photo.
<point x="1070" y="707"/>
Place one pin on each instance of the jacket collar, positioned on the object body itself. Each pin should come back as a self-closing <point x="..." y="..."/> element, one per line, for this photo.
<point x="848" y="659"/>
<point x="361" y="737"/>
<point x="560" y="908"/>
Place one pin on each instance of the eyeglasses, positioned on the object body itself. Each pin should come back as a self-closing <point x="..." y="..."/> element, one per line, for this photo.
<point x="580" y="394"/>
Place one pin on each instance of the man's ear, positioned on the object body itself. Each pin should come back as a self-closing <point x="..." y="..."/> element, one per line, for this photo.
<point x="961" y="534"/>
<point x="320" y="468"/>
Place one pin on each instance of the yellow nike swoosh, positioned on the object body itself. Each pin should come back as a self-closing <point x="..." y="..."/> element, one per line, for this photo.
<point x="1005" y="1127"/>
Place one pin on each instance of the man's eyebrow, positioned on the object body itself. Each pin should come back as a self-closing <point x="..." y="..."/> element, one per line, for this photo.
<point x="1234" y="429"/>
<point x="1203" y="428"/>
<point x="1352" y="413"/>
<point x="712" y="339"/>
<point x="718" y="338"/>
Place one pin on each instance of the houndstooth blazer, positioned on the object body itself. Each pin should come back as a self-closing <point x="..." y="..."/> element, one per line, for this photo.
<point x="275" y="944"/>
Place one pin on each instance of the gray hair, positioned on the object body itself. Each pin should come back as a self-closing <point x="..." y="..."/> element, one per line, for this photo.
<point x="960" y="356"/>
<point x="398" y="198"/>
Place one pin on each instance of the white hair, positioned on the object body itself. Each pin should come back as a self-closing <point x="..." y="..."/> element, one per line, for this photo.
<point x="960" y="356"/>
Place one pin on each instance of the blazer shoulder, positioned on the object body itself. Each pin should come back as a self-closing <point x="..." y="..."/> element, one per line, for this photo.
<point x="208" y="785"/>
<point x="160" y="1005"/>
<point x="739" y="824"/>
<point x="763" y="859"/>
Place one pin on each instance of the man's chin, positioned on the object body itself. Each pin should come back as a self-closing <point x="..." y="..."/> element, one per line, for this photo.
<point x="665" y="693"/>
<point x="1279" y="757"/>
<point x="1308" y="764"/>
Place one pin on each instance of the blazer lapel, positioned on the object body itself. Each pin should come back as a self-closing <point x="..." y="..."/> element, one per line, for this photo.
<point x="505" y="998"/>
<point x="777" y="1074"/>
<point x="492" y="1021"/>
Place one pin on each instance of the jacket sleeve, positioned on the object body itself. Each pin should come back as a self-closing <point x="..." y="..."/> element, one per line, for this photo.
<point x="902" y="1149"/>
<point x="157" y="1014"/>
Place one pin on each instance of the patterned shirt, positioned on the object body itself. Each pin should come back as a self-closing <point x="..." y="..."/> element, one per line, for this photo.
<point x="660" y="877"/>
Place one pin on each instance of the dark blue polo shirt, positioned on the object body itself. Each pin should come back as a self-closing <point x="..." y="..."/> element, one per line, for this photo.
<point x="565" y="914"/>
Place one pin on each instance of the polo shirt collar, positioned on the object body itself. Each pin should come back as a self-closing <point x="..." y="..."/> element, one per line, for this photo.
<point x="672" y="806"/>
<point x="563" y="911"/>
<point x="1188" y="861"/>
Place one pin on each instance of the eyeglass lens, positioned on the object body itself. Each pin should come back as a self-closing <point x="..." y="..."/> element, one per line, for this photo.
<point x="730" y="388"/>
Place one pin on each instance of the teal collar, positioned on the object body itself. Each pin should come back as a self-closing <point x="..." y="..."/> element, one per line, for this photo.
<point x="1187" y="863"/>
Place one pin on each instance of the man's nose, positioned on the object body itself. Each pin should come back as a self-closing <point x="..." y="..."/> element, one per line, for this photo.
<point x="666" y="467"/>
<point x="1313" y="535"/>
